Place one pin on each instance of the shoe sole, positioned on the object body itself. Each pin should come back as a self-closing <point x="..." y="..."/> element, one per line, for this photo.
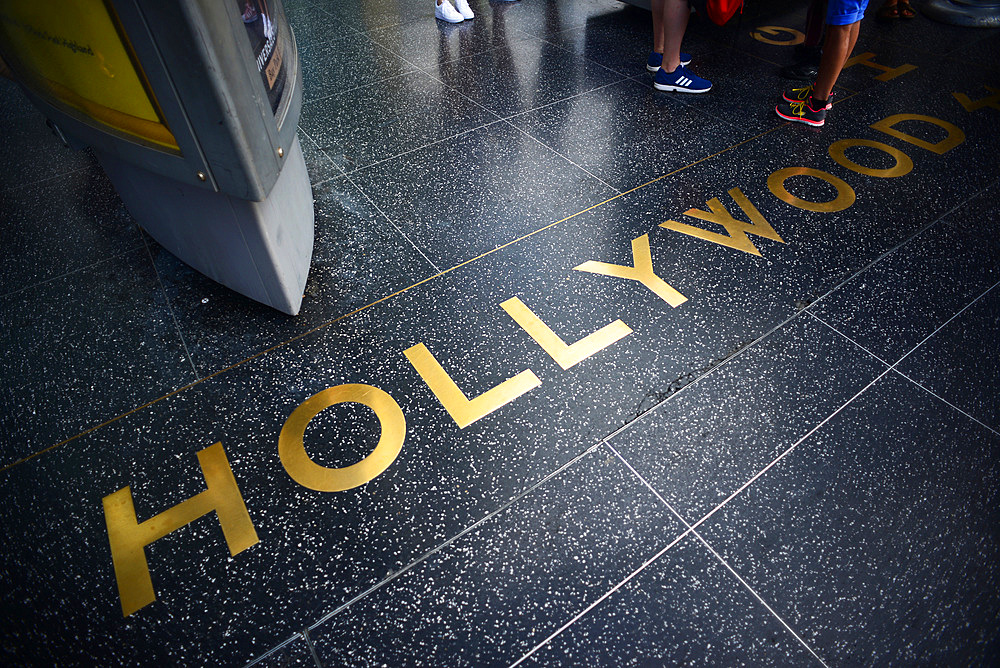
<point x="650" y="68"/>
<point x="796" y="119"/>
<point x="679" y="89"/>
<point x="441" y="18"/>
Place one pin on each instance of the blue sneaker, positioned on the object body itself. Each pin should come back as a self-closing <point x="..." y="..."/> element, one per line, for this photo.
<point x="656" y="59"/>
<point x="681" y="80"/>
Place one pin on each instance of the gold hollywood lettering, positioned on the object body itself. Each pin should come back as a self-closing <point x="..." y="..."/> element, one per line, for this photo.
<point x="565" y="355"/>
<point x="738" y="230"/>
<point x="129" y="537"/>
<point x="306" y="472"/>
<point x="887" y="72"/>
<point x="463" y="410"/>
<point x="992" y="101"/>
<point x="773" y="31"/>
<point x="955" y="134"/>
<point x="845" y="193"/>
<point x="641" y="271"/>
<point x="903" y="166"/>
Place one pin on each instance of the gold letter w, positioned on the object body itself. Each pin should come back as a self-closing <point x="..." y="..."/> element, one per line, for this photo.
<point x="738" y="230"/>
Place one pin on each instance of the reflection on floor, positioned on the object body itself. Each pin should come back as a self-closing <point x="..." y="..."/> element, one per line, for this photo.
<point x="586" y="374"/>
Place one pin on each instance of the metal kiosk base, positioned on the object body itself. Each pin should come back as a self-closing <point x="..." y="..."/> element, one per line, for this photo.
<point x="259" y="249"/>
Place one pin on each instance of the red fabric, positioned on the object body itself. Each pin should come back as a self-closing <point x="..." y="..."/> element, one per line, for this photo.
<point x="719" y="11"/>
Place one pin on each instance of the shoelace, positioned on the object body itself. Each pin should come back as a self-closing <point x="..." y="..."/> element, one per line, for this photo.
<point x="803" y="93"/>
<point x="798" y="108"/>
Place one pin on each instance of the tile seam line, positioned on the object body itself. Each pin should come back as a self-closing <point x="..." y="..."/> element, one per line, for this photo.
<point x="557" y="153"/>
<point x="170" y="307"/>
<point x="704" y="542"/>
<point x="824" y="323"/>
<point x="326" y="324"/>
<point x="946" y="402"/>
<point x="902" y="243"/>
<point x="139" y="245"/>
<point x="692" y="529"/>
<point x="434" y="550"/>
<point x="823" y="422"/>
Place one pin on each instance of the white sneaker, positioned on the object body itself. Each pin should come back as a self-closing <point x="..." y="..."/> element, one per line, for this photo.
<point x="464" y="9"/>
<point x="446" y="12"/>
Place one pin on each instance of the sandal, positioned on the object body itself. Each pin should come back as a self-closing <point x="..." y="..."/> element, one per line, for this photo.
<point x="888" y="12"/>
<point x="904" y="10"/>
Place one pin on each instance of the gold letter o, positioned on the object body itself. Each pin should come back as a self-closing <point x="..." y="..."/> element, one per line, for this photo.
<point x="903" y="166"/>
<point x="306" y="472"/>
<point x="845" y="193"/>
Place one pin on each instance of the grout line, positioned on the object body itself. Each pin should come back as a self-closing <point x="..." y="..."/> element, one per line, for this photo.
<point x="852" y="341"/>
<point x="170" y="308"/>
<point x="401" y="291"/>
<point x="945" y="401"/>
<point x="393" y="223"/>
<point x="716" y="554"/>
<point x="759" y="598"/>
<point x="472" y="527"/>
<point x="691" y="528"/>
<point x="312" y="648"/>
<point x="600" y="600"/>
<point x="582" y="169"/>
<point x="109" y="258"/>
<point x="371" y="202"/>
<point x="277" y="648"/>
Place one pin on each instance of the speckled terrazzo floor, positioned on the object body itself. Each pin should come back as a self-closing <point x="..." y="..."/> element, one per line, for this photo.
<point x="782" y="448"/>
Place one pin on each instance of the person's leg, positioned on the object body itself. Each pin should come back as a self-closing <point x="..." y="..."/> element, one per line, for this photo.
<point x="656" y="7"/>
<point x="674" y="19"/>
<point x="837" y="48"/>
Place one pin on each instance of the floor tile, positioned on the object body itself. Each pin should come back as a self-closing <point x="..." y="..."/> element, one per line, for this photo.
<point x="368" y="125"/>
<point x="523" y="75"/>
<point x="222" y="327"/>
<point x="626" y="134"/>
<point x="430" y="44"/>
<point x="471" y="194"/>
<point x="545" y="17"/>
<point x="348" y="62"/>
<point x="961" y="362"/>
<point x="494" y="593"/>
<point x="684" y="609"/>
<point x="31" y="152"/>
<point x="61" y="351"/>
<point x="621" y="41"/>
<point x="13" y="103"/>
<point x="978" y="216"/>
<point x="374" y="14"/>
<point x="890" y="505"/>
<point x="709" y="440"/>
<point x="873" y="539"/>
<point x="893" y="306"/>
<point x="60" y="226"/>
<point x="313" y="25"/>
<point x="318" y="165"/>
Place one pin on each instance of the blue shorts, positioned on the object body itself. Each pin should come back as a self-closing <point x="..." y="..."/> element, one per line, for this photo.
<point x="845" y="12"/>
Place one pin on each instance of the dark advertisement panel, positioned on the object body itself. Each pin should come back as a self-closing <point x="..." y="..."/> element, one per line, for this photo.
<point x="268" y="44"/>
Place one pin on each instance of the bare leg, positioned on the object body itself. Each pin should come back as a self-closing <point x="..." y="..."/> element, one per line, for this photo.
<point x="837" y="48"/>
<point x="656" y="7"/>
<point x="674" y="22"/>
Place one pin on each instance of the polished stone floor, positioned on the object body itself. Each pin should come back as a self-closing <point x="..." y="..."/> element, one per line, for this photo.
<point x="651" y="379"/>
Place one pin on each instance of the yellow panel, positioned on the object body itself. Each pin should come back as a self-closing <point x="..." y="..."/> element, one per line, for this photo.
<point x="72" y="52"/>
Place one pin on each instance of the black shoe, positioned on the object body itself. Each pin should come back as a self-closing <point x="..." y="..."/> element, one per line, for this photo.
<point x="798" y="94"/>
<point x="800" y="72"/>
<point x="803" y="112"/>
